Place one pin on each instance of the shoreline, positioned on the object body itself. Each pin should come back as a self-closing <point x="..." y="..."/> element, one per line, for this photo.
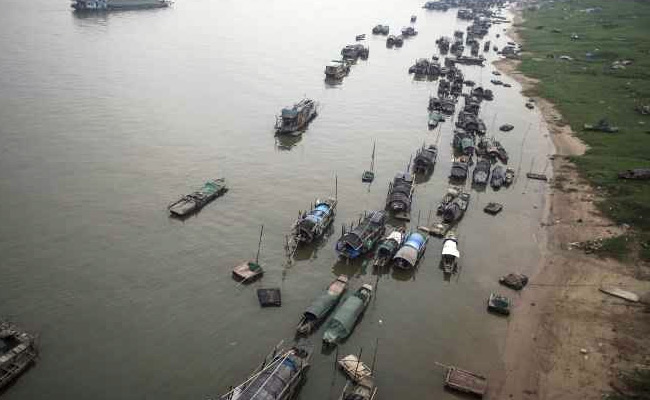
<point x="563" y="340"/>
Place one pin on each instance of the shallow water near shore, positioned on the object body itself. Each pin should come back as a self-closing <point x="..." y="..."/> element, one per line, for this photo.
<point x="107" y="118"/>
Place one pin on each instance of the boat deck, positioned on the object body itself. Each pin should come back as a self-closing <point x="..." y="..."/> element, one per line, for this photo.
<point x="465" y="381"/>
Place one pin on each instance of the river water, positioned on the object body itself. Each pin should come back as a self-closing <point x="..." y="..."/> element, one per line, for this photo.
<point x="106" y="118"/>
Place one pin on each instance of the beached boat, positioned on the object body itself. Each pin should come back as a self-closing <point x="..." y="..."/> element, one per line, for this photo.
<point x="249" y="271"/>
<point x="313" y="224"/>
<point x="363" y="237"/>
<point x="450" y="253"/>
<point x="337" y="69"/>
<point x="342" y="323"/>
<point x="279" y="377"/>
<point x="498" y="177"/>
<point x="408" y="256"/>
<point x="456" y="209"/>
<point x="481" y="172"/>
<point x="369" y="175"/>
<point x="387" y="247"/>
<point x="17" y="352"/>
<point x="297" y="117"/>
<point x="510" y="176"/>
<point x="425" y="159"/>
<point x="316" y="313"/>
<point x="400" y="194"/>
<point x="192" y="203"/>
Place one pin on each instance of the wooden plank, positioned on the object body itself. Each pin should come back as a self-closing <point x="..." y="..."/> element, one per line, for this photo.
<point x="620" y="293"/>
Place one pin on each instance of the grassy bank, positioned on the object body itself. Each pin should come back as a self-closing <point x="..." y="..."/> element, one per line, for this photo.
<point x="586" y="88"/>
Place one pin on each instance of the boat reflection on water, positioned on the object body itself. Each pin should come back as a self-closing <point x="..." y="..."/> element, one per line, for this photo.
<point x="287" y="142"/>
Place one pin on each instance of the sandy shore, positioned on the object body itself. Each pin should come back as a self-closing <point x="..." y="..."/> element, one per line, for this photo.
<point x="567" y="340"/>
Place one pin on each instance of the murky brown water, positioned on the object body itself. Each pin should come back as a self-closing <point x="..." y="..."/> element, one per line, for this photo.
<point x="105" y="119"/>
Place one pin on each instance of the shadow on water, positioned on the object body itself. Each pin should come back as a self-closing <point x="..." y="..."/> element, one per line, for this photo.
<point x="331" y="83"/>
<point x="287" y="142"/>
<point x="404" y="275"/>
<point x="357" y="267"/>
<point x="423" y="178"/>
<point x="310" y="251"/>
<point x="102" y="16"/>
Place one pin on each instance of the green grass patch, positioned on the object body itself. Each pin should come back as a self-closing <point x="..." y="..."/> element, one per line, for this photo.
<point x="587" y="89"/>
<point x="617" y="247"/>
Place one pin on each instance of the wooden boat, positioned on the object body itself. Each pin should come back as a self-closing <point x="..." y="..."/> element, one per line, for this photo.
<point x="465" y="381"/>
<point x="493" y="208"/>
<point x="425" y="159"/>
<point x="279" y="377"/>
<point x="364" y="390"/>
<point x="414" y="247"/>
<point x="456" y="209"/>
<point x="381" y="30"/>
<point x="17" y="352"/>
<point x="362" y="238"/>
<point x="388" y="247"/>
<point x="369" y="175"/>
<point x="451" y="194"/>
<point x="510" y="176"/>
<point x="313" y="224"/>
<point x="192" y="203"/>
<point x="297" y="117"/>
<point x="250" y="270"/>
<point x="450" y="253"/>
<point x="355" y="51"/>
<point x="337" y="69"/>
<point x="342" y="323"/>
<point x="354" y="368"/>
<point x="481" y="172"/>
<point x="498" y="304"/>
<point x="316" y="313"/>
<point x="400" y="195"/>
<point x="532" y="175"/>
<point x="459" y="168"/>
<point x="409" y="31"/>
<point x="498" y="177"/>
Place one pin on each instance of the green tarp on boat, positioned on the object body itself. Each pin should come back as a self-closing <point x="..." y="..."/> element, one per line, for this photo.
<point x="322" y="305"/>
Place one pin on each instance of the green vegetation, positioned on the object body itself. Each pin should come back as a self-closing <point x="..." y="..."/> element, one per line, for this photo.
<point x="586" y="89"/>
<point x="637" y="385"/>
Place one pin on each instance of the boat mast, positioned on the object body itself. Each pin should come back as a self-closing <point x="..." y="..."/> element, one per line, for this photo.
<point x="259" y="246"/>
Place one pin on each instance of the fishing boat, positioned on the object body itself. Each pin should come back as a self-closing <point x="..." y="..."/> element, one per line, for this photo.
<point x="450" y="253"/>
<point x="399" y="40"/>
<point x="363" y="237"/>
<point x="337" y="69"/>
<point x="388" y="247"/>
<point x="381" y="30"/>
<point x="363" y="390"/>
<point x="193" y="202"/>
<point x="498" y="177"/>
<point x="425" y="159"/>
<point x="249" y="271"/>
<point x="354" y="368"/>
<point x="355" y="51"/>
<point x="17" y="352"/>
<point x="313" y="224"/>
<point x="316" y="313"/>
<point x="297" y="117"/>
<point x="409" y="31"/>
<point x="412" y="250"/>
<point x="499" y="304"/>
<point x="369" y="175"/>
<point x="450" y="195"/>
<point x="481" y="172"/>
<point x="435" y="118"/>
<point x="279" y="377"/>
<point x="510" y="176"/>
<point x="456" y="209"/>
<point x="459" y="168"/>
<point x="400" y="194"/>
<point x="342" y="323"/>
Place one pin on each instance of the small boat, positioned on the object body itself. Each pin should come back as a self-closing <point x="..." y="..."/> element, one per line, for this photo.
<point x="390" y="40"/>
<point x="337" y="69"/>
<point x="381" y="30"/>
<point x="354" y="368"/>
<point x="17" y="352"/>
<point x="501" y="153"/>
<point x="510" y="176"/>
<point x="355" y="51"/>
<point x="360" y="37"/>
<point x="493" y="208"/>
<point x="297" y="117"/>
<point x="414" y="18"/>
<point x="514" y="281"/>
<point x="499" y="304"/>
<point x="313" y="224"/>
<point x="399" y="40"/>
<point x="400" y="194"/>
<point x="451" y="194"/>
<point x="506" y="127"/>
<point x="250" y="270"/>
<point x="362" y="238"/>
<point x="364" y="390"/>
<point x="387" y="247"/>
<point x="369" y="175"/>
<point x="498" y="178"/>
<point x="456" y="209"/>
<point x="530" y="106"/>
<point x="425" y="159"/>
<point x="342" y="323"/>
<point x="316" y="313"/>
<point x="481" y="172"/>
<point x="450" y="254"/>
<point x="192" y="203"/>
<point x="412" y="250"/>
<point x="279" y="377"/>
<point x="409" y="31"/>
<point x="540" y="177"/>
<point x="465" y="381"/>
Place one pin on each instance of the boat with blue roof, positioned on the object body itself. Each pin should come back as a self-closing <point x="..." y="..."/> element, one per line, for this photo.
<point x="313" y="224"/>
<point x="408" y="256"/>
<point x="363" y="237"/>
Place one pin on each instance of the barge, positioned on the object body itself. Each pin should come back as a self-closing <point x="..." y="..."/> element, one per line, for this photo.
<point x="296" y="118"/>
<point x="17" y="352"/>
<point x="193" y="202"/>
